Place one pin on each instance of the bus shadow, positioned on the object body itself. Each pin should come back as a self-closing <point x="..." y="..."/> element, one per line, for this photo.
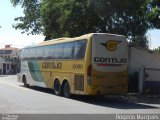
<point x="39" y="89"/>
<point x="114" y="101"/>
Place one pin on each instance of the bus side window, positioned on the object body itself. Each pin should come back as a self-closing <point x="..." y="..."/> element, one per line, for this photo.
<point x="79" y="49"/>
<point x="32" y="55"/>
<point x="51" y="49"/>
<point x="39" y="53"/>
<point x="68" y="50"/>
<point x="46" y="52"/>
<point x="58" y="53"/>
<point x="26" y="54"/>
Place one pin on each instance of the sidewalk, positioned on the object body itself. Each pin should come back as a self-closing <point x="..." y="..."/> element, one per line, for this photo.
<point x="3" y="75"/>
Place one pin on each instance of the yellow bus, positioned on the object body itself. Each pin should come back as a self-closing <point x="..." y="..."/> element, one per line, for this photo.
<point x="92" y="64"/>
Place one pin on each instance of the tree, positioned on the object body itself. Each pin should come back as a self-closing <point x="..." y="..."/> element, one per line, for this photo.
<point x="157" y="50"/>
<point x="68" y="18"/>
<point x="127" y="17"/>
<point x="77" y="17"/>
<point x="153" y="13"/>
<point x="59" y="18"/>
<point x="30" y="23"/>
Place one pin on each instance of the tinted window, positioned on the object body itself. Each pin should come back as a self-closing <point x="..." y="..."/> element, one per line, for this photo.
<point x="39" y="52"/>
<point x="58" y="53"/>
<point x="26" y="54"/>
<point x="46" y="51"/>
<point x="32" y="53"/>
<point x="52" y="51"/>
<point x="68" y="50"/>
<point x="79" y="49"/>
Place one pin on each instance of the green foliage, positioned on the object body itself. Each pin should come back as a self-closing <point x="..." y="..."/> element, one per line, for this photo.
<point x="68" y="18"/>
<point x="157" y="50"/>
<point x="30" y="23"/>
<point x="141" y="41"/>
<point x="77" y="17"/>
<point x="153" y="13"/>
<point x="59" y="18"/>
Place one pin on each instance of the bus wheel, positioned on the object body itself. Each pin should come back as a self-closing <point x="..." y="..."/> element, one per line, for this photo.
<point x="57" y="88"/>
<point x="25" y="81"/>
<point x="66" y="89"/>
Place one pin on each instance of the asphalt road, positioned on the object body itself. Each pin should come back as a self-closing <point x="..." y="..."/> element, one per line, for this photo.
<point x="16" y="99"/>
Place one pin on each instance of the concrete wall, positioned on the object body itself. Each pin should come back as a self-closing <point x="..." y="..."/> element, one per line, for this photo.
<point x="139" y="57"/>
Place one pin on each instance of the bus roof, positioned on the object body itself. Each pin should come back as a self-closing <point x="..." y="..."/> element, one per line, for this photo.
<point x="64" y="39"/>
<point x="68" y="39"/>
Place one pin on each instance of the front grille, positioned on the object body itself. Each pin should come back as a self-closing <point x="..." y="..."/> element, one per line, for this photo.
<point x="79" y="82"/>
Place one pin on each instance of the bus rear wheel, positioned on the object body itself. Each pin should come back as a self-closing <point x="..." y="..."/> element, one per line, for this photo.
<point x="66" y="89"/>
<point x="57" y="88"/>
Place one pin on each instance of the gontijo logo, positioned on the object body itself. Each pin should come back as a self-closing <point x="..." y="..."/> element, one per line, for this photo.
<point x="111" y="45"/>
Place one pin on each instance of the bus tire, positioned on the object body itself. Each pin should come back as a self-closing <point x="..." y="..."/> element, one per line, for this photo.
<point x="57" y="88"/>
<point x="66" y="89"/>
<point x="25" y="81"/>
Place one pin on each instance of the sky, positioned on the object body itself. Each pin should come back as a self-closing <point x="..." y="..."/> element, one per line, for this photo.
<point x="10" y="36"/>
